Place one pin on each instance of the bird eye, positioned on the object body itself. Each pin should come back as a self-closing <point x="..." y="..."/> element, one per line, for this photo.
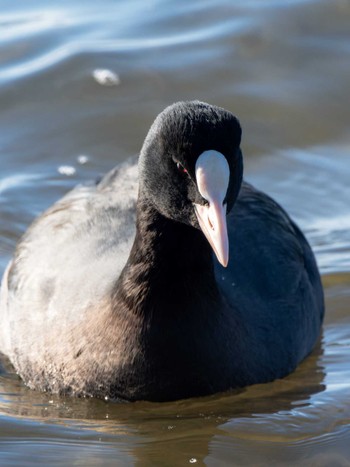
<point x="181" y="168"/>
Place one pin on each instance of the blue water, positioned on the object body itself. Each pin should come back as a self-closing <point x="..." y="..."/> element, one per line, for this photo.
<point x="283" y="67"/>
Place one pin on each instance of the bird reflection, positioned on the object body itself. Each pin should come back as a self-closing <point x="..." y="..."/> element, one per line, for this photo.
<point x="182" y="432"/>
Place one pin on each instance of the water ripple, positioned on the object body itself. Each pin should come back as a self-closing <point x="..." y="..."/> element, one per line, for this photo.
<point x="14" y="27"/>
<point x="18" y="28"/>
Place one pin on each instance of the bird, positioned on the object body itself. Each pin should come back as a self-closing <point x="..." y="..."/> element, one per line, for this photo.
<point x="167" y="279"/>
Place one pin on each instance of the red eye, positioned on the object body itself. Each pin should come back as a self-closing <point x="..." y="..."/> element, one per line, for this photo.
<point x="180" y="168"/>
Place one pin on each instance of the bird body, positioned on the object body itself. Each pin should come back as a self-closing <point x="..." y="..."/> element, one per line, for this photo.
<point x="115" y="292"/>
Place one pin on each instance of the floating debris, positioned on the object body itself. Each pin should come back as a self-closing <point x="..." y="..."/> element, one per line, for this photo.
<point x="82" y="159"/>
<point x="66" y="170"/>
<point x="106" y="77"/>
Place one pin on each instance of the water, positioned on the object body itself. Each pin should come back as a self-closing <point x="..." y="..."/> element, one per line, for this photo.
<point x="283" y="67"/>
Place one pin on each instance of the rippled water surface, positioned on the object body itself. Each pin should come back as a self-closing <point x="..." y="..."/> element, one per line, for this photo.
<point x="80" y="83"/>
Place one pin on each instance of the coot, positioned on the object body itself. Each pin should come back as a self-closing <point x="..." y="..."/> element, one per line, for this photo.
<point x="193" y="283"/>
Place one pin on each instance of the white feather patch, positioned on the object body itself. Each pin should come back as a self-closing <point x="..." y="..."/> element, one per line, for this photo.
<point x="212" y="175"/>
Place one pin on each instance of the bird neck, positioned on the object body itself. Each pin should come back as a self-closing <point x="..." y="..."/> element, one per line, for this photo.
<point x="170" y="267"/>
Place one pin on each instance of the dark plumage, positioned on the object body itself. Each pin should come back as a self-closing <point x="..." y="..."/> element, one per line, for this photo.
<point x="82" y="314"/>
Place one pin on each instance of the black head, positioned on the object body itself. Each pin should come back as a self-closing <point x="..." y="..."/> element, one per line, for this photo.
<point x="174" y="142"/>
<point x="178" y="136"/>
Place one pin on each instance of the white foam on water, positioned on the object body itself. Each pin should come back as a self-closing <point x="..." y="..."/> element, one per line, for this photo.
<point x="106" y="77"/>
<point x="68" y="170"/>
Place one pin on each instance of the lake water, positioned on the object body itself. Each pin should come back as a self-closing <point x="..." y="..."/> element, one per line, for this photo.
<point x="283" y="66"/>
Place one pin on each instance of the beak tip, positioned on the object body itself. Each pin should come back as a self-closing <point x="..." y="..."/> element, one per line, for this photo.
<point x="224" y="262"/>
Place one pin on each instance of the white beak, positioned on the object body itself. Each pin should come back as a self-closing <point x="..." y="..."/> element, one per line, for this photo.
<point x="212" y="176"/>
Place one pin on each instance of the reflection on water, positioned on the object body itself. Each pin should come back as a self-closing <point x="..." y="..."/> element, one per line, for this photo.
<point x="283" y="68"/>
<point x="304" y="412"/>
<point x="183" y="429"/>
